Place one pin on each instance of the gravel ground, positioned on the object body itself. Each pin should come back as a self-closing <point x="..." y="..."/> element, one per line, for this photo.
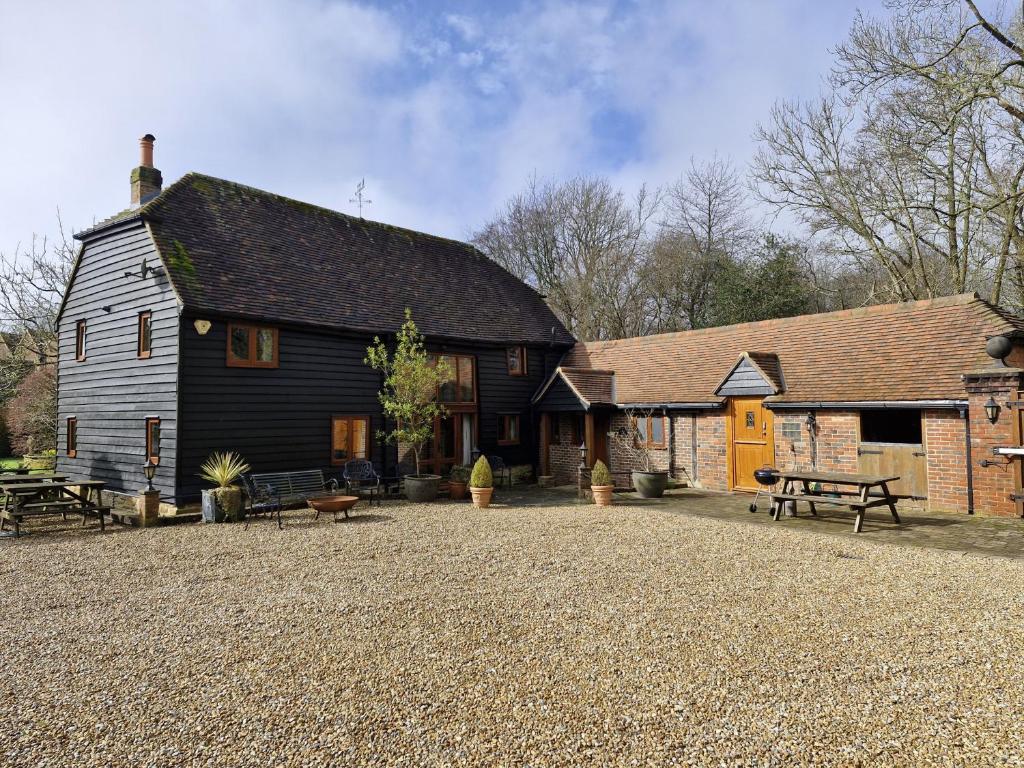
<point x="551" y="636"/>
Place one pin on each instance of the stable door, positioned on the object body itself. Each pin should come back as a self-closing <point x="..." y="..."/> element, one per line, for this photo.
<point x="752" y="440"/>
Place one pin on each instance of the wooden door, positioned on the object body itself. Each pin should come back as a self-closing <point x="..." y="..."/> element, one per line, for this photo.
<point x="752" y="440"/>
<point x="906" y="461"/>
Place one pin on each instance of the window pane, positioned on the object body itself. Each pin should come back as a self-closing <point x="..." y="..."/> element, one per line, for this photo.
<point x="240" y="342"/>
<point x="513" y="428"/>
<point x="359" y="441"/>
<point x="466" y="379"/>
<point x="153" y="440"/>
<point x="145" y="334"/>
<point x="446" y="439"/>
<point x="264" y="345"/>
<point x="339" y="440"/>
<point x="448" y="388"/>
<point x="657" y="430"/>
<point x="514" y="360"/>
<point x="641" y="430"/>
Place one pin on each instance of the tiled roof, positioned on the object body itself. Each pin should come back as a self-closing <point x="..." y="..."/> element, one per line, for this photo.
<point x="237" y="250"/>
<point x="592" y="387"/>
<point x="768" y="363"/>
<point x="911" y="351"/>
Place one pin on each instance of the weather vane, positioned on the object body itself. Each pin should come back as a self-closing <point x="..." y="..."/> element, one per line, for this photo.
<point x="359" y="196"/>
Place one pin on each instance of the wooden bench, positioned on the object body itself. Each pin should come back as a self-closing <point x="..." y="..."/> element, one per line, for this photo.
<point x="845" y="500"/>
<point x="39" y="509"/>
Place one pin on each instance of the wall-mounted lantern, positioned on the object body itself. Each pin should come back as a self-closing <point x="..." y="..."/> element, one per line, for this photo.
<point x="992" y="410"/>
<point x="583" y="453"/>
<point x="150" y="470"/>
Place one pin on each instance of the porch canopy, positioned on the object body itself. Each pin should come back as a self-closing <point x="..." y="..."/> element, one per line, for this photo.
<point x="576" y="390"/>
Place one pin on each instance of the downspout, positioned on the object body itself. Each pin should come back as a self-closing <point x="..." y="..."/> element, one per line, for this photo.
<point x="671" y="443"/>
<point x="693" y="447"/>
<point x="964" y="414"/>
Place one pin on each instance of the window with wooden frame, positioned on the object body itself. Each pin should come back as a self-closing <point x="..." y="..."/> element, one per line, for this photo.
<point x="145" y="335"/>
<point x="649" y="431"/>
<point x="516" y="358"/>
<point x="508" y="429"/>
<point x="555" y="428"/>
<point x="461" y="387"/>
<point x="578" y="422"/>
<point x="350" y="438"/>
<point x="80" y="340"/>
<point x="153" y="440"/>
<point x="72" y="437"/>
<point x="252" y="346"/>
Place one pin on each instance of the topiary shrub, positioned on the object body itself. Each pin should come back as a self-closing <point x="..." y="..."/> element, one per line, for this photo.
<point x="600" y="475"/>
<point x="481" y="477"/>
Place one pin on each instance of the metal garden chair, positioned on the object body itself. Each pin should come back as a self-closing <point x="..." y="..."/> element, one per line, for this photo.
<point x="361" y="478"/>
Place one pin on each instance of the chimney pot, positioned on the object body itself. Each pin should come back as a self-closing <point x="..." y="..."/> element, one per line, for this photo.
<point x="146" y="180"/>
<point x="146" y="145"/>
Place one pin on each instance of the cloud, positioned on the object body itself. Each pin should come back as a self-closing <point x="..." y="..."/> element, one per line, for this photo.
<point x="446" y="115"/>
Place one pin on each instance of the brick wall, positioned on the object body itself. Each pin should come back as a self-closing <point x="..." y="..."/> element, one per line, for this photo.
<point x="947" y="469"/>
<point x="712" y="471"/>
<point x="792" y="440"/>
<point x="837" y="436"/>
<point x="623" y="458"/>
<point x="993" y="484"/>
<point x="564" y="457"/>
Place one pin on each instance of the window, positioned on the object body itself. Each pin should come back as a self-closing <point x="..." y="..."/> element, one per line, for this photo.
<point x="896" y="425"/>
<point x="251" y="346"/>
<point x="516" y="357"/>
<point x="350" y="438"/>
<point x="153" y="440"/>
<point x="508" y="429"/>
<point x="72" y="437"/>
<point x="145" y="335"/>
<point x="80" y="340"/>
<point x="555" y="422"/>
<point x="461" y="387"/>
<point x="650" y="431"/>
<point x="579" y="428"/>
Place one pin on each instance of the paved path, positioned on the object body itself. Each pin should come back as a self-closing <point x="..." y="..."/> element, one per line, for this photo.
<point x="976" y="534"/>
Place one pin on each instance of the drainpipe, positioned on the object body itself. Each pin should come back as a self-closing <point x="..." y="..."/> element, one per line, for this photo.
<point x="812" y="429"/>
<point x="671" y="443"/>
<point x="693" y="446"/>
<point x="967" y="451"/>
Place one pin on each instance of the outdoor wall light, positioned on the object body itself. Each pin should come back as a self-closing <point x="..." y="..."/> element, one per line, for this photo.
<point x="992" y="410"/>
<point x="150" y="470"/>
<point x="583" y="454"/>
<point x="812" y="421"/>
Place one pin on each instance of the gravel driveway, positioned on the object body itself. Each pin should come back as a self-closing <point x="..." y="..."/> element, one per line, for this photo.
<point x="443" y="635"/>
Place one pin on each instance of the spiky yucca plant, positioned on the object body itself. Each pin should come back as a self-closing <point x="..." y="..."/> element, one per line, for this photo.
<point x="222" y="469"/>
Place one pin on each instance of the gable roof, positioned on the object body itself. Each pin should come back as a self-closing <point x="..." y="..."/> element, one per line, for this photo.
<point x="895" y="352"/>
<point x="590" y="386"/>
<point x="239" y="251"/>
<point x="763" y="364"/>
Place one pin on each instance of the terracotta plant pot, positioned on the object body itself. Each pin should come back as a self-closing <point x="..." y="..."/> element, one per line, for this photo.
<point x="481" y="497"/>
<point x="457" y="490"/>
<point x="602" y="494"/>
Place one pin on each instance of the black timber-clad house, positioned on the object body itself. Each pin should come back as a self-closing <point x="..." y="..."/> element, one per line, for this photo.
<point x="213" y="316"/>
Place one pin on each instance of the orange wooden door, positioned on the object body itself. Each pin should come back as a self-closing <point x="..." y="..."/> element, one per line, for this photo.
<point x="752" y="435"/>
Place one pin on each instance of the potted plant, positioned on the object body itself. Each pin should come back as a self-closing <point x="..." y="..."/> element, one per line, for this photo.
<point x="481" y="483"/>
<point x="458" y="480"/>
<point x="408" y="396"/>
<point x="601" y="484"/>
<point x="224" y="502"/>
<point x="649" y="482"/>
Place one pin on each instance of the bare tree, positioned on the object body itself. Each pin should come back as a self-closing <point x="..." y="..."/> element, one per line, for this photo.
<point x="706" y="223"/>
<point x="583" y="245"/>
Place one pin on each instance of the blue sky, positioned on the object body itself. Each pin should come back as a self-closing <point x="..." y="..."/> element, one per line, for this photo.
<point x="445" y="108"/>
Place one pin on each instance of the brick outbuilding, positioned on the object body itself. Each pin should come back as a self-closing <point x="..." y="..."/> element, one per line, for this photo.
<point x="898" y="388"/>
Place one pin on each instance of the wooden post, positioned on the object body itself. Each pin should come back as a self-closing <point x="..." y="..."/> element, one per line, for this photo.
<point x="545" y="443"/>
<point x="588" y="439"/>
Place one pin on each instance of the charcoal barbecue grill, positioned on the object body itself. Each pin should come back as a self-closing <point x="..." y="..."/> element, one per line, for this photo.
<point x="766" y="478"/>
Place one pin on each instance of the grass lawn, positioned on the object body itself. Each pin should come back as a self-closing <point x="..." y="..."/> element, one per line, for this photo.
<point x="10" y="463"/>
<point x="548" y="636"/>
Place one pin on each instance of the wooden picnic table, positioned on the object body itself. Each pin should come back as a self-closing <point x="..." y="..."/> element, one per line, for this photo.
<point x="25" y="478"/>
<point x="858" y="492"/>
<point x="52" y="497"/>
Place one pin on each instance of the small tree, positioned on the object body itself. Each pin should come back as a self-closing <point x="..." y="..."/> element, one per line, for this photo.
<point x="409" y="391"/>
<point x="632" y="442"/>
<point x="32" y="413"/>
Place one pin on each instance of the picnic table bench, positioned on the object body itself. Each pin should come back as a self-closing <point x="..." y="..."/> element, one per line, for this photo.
<point x="20" y="477"/>
<point x="857" y="492"/>
<point x="33" y="499"/>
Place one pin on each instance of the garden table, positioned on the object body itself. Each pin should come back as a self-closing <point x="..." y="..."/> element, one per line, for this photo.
<point x="23" y="499"/>
<point x="858" y="492"/>
<point x="26" y="478"/>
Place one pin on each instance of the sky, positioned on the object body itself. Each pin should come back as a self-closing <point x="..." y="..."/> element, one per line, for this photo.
<point x="446" y="109"/>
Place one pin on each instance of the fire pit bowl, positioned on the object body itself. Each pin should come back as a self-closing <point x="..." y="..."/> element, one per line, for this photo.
<point x="332" y="505"/>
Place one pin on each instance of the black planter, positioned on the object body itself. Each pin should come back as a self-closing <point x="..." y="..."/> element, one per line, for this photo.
<point x="650" y="485"/>
<point x="421" y="488"/>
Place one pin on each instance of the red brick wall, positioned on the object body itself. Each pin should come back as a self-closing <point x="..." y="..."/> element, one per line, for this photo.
<point x="622" y="458"/>
<point x="993" y="484"/>
<point x="564" y="457"/>
<point x="947" y="467"/>
<point x="711" y="452"/>
<point x="837" y="436"/>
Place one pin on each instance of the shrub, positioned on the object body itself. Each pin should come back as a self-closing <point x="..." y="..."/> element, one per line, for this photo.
<point x="222" y="469"/>
<point x="32" y="412"/>
<point x="600" y="474"/>
<point x="459" y="474"/>
<point x="482" y="477"/>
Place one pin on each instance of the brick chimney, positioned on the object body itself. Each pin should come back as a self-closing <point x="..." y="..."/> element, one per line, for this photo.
<point x="146" y="180"/>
